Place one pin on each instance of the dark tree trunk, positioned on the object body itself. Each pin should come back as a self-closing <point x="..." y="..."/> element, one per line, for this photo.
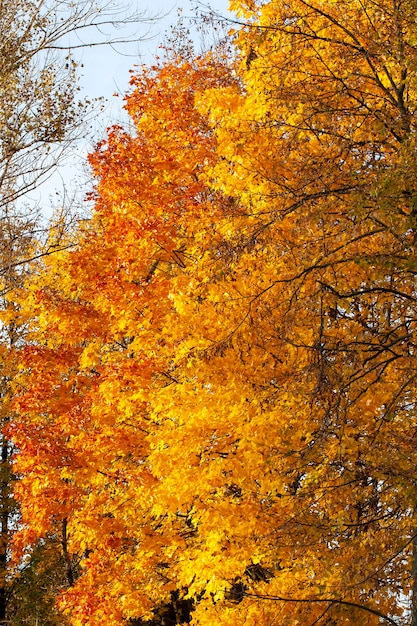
<point x="414" y="583"/>
<point x="4" y="522"/>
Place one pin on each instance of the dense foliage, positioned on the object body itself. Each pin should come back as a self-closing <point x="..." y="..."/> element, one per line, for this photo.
<point x="41" y="118"/>
<point x="217" y="394"/>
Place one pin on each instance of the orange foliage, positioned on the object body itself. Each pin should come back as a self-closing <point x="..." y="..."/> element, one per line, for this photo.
<point x="218" y="394"/>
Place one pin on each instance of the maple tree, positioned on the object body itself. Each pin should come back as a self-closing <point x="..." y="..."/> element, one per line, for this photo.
<point x="217" y="397"/>
<point x="112" y="340"/>
<point x="41" y="117"/>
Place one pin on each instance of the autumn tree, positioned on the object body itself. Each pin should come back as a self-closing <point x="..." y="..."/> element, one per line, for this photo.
<point x="41" y="116"/>
<point x="217" y="396"/>
<point x="166" y="118"/>
<point x="329" y="104"/>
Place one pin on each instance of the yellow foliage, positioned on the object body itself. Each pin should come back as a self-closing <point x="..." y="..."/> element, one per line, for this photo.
<point x="220" y="376"/>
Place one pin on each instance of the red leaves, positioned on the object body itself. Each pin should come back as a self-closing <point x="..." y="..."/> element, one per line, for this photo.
<point x="220" y="372"/>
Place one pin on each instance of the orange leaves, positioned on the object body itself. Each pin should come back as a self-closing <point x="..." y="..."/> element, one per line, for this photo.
<point x="220" y="375"/>
<point x="103" y="342"/>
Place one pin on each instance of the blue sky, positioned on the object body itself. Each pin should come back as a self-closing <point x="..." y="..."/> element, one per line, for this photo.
<point x="106" y="71"/>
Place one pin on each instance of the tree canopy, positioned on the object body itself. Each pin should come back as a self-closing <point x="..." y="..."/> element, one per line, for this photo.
<point x="217" y="395"/>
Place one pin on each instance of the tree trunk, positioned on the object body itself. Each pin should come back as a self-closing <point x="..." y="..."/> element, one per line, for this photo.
<point x="414" y="582"/>
<point x="4" y="530"/>
<point x="67" y="556"/>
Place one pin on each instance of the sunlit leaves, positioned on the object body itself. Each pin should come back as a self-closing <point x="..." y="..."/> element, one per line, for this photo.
<point x="220" y="377"/>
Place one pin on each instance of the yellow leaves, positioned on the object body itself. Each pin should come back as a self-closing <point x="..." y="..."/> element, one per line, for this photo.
<point x="245" y="8"/>
<point x="220" y="378"/>
<point x="90" y="355"/>
<point x="217" y="102"/>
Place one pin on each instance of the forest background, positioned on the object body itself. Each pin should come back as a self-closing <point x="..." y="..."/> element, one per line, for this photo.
<point x="208" y="384"/>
